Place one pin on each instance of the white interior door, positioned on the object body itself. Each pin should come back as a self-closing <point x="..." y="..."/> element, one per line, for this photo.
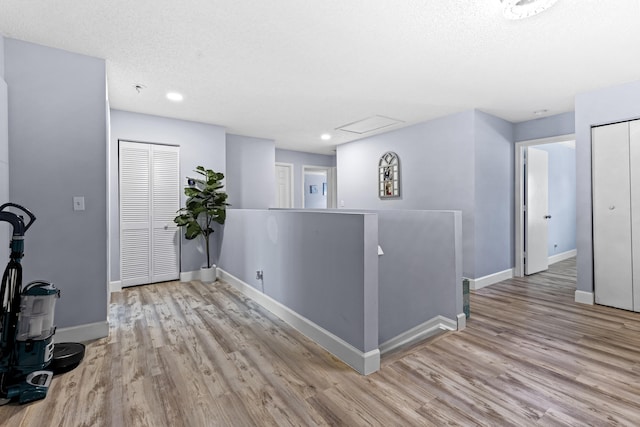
<point x="634" y="166"/>
<point x="149" y="199"/>
<point x="284" y="185"/>
<point x="165" y="197"/>
<point x="135" y="213"/>
<point x="612" y="263"/>
<point x="537" y="211"/>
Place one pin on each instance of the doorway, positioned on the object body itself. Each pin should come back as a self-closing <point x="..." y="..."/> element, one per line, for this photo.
<point x="553" y="238"/>
<point x="318" y="187"/>
<point x="149" y="187"/>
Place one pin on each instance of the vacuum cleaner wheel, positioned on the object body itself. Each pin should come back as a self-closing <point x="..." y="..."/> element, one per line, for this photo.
<point x="66" y="356"/>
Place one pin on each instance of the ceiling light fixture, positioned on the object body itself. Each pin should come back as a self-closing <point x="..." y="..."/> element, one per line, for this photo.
<point x="325" y="137"/>
<point x="521" y="9"/>
<point x="175" y="96"/>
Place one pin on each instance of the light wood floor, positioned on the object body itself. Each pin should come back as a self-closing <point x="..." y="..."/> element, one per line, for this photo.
<point x="198" y="355"/>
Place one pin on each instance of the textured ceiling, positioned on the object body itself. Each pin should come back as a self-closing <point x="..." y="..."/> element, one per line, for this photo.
<point x="290" y="70"/>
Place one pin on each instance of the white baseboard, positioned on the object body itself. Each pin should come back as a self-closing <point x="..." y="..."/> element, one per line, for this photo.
<point x="462" y="321"/>
<point x="483" y="282"/>
<point x="364" y="363"/>
<point x="187" y="276"/>
<point x="418" y="333"/>
<point x="82" y="333"/>
<point x="115" y="286"/>
<point x="583" y="297"/>
<point x="561" y="257"/>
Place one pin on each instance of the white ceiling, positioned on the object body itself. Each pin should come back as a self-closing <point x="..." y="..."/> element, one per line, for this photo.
<point x="290" y="70"/>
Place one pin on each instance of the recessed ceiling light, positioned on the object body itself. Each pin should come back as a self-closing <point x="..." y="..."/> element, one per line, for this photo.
<point x="521" y="9"/>
<point x="175" y="96"/>
<point x="325" y="137"/>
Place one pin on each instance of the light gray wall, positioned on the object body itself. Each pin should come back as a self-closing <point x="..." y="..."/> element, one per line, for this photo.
<point x="322" y="265"/>
<point x="200" y="145"/>
<point x="57" y="150"/>
<point x="437" y="161"/>
<point x="494" y="194"/>
<point x="251" y="181"/>
<point x="299" y="159"/>
<point x="614" y="104"/>
<point x="314" y="200"/>
<point x="562" y="197"/>
<point x="559" y="124"/>
<point x="5" y="229"/>
<point x="1" y="58"/>
<point x="420" y="273"/>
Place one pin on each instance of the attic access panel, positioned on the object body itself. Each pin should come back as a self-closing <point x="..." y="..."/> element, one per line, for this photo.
<point x="370" y="124"/>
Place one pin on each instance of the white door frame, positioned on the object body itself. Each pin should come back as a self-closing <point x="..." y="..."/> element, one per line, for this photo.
<point x="290" y="166"/>
<point x="331" y="183"/>
<point x="518" y="270"/>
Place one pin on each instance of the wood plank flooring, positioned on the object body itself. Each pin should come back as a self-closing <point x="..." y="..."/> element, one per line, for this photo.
<point x="188" y="354"/>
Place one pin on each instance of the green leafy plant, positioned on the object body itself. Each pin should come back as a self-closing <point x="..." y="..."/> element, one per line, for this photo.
<point x="206" y="204"/>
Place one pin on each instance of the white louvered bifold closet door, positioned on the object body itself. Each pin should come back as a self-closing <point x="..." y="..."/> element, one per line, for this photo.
<point x="165" y="197"/>
<point x="149" y="199"/>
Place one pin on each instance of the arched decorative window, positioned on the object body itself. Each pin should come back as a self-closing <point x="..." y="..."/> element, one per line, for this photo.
<point x="389" y="175"/>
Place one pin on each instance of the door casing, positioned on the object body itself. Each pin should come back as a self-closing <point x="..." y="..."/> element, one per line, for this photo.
<point x="518" y="270"/>
<point x="331" y="183"/>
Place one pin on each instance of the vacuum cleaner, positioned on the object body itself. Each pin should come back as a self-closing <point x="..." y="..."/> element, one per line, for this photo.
<point x="26" y="324"/>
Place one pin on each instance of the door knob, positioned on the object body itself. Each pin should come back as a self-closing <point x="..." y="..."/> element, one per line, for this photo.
<point x="611" y="207"/>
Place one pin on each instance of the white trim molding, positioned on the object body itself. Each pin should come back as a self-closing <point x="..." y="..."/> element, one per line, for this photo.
<point x="364" y="363"/>
<point x="491" y="279"/>
<point x="330" y="173"/>
<point x="584" y="297"/>
<point x="462" y="321"/>
<point x="561" y="257"/>
<point x="187" y="276"/>
<point x="418" y="333"/>
<point x="483" y="282"/>
<point x="518" y="271"/>
<point x="115" y="286"/>
<point x="82" y="333"/>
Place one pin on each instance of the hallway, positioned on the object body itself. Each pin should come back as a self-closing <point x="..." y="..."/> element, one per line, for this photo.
<point x="188" y="354"/>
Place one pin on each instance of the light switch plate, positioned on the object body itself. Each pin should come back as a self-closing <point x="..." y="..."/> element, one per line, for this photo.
<point x="78" y="203"/>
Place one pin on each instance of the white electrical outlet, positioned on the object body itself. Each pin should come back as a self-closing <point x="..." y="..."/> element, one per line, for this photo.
<point x="78" y="203"/>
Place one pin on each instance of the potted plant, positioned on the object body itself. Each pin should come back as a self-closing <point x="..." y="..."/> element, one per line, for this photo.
<point x="206" y="204"/>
